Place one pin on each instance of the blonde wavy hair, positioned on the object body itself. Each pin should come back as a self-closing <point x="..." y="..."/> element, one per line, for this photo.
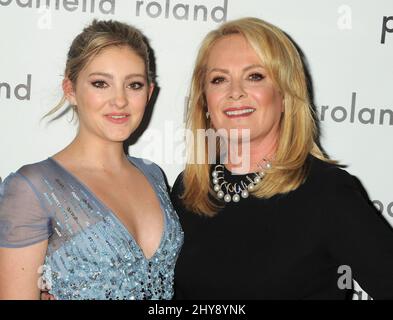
<point x="298" y="131"/>
<point x="101" y="34"/>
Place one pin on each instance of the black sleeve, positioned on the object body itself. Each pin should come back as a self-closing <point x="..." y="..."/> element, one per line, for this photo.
<point x="177" y="191"/>
<point x="357" y="235"/>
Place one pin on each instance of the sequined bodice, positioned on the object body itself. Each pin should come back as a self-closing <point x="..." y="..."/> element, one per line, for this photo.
<point x="91" y="255"/>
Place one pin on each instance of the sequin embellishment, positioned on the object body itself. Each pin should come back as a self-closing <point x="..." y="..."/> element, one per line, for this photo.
<point x="90" y="253"/>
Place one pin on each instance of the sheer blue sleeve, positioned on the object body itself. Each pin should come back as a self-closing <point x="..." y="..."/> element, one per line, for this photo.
<point x="23" y="218"/>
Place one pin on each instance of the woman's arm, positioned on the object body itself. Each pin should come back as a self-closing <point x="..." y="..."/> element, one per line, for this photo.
<point x="358" y="236"/>
<point x="20" y="271"/>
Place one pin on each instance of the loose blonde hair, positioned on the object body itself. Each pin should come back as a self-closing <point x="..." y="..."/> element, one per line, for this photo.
<point x="96" y="37"/>
<point x="298" y="132"/>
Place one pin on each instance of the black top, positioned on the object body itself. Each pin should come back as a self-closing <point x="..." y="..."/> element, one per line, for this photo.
<point x="289" y="246"/>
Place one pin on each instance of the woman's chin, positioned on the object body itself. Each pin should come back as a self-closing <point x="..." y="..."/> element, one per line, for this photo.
<point x="118" y="137"/>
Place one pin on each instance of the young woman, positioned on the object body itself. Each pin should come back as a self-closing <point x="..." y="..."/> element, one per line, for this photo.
<point x="284" y="222"/>
<point x="91" y="222"/>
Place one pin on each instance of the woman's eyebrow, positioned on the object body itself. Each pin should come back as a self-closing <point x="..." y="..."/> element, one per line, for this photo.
<point x="110" y="76"/>
<point x="244" y="69"/>
<point x="252" y="66"/>
<point x="218" y="70"/>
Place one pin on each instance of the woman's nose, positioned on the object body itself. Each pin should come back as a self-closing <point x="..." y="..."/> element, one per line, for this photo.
<point x="237" y="91"/>
<point x="120" y="99"/>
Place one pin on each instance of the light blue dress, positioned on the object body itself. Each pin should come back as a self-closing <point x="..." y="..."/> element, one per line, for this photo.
<point x="91" y="254"/>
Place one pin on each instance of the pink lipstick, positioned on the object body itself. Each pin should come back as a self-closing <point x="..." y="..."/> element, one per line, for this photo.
<point x="117" y="118"/>
<point x="239" y="112"/>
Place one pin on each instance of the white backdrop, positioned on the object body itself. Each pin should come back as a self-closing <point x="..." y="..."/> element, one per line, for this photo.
<point x="348" y="45"/>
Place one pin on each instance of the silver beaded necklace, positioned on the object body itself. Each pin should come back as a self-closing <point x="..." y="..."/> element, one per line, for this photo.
<point x="235" y="191"/>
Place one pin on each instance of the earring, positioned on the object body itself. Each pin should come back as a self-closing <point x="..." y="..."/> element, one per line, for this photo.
<point x="207" y="115"/>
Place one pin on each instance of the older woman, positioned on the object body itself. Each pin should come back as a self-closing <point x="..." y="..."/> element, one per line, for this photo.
<point x="285" y="221"/>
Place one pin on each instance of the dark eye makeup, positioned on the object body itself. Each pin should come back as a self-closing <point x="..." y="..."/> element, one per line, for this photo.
<point x="217" y="80"/>
<point x="256" y="76"/>
<point x="100" y="84"/>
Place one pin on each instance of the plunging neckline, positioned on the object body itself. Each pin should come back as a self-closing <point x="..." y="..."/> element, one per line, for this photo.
<point x="114" y="215"/>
